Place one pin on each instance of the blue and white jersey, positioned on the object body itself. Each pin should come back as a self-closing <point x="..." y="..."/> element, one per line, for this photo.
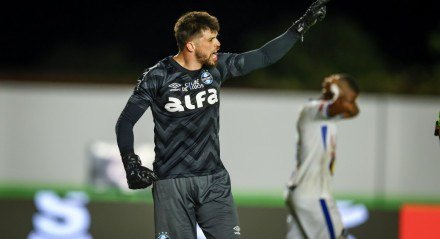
<point x="316" y="150"/>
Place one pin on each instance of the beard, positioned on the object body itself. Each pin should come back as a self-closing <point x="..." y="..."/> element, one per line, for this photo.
<point x="205" y="59"/>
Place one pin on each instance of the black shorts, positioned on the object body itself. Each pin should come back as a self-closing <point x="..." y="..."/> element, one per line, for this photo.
<point x="181" y="202"/>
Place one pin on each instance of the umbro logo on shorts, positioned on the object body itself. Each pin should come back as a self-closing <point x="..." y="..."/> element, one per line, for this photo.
<point x="236" y="230"/>
<point x="163" y="235"/>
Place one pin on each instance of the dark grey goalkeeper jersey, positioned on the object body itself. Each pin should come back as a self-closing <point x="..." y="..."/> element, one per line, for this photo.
<point x="185" y="106"/>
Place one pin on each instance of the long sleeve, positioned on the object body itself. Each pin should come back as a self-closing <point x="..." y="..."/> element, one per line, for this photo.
<point x="138" y="103"/>
<point x="244" y="63"/>
<point x="124" y="127"/>
<point x="270" y="52"/>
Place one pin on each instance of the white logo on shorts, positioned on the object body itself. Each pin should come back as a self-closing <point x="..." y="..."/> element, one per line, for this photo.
<point x="163" y="235"/>
<point x="237" y="230"/>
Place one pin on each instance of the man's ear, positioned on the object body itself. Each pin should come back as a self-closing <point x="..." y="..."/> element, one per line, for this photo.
<point x="190" y="46"/>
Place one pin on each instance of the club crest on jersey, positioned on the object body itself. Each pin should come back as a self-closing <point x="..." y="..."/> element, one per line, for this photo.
<point x="163" y="235"/>
<point x="206" y="78"/>
<point x="179" y="105"/>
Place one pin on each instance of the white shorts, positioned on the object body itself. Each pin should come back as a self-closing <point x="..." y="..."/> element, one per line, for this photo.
<point x="313" y="218"/>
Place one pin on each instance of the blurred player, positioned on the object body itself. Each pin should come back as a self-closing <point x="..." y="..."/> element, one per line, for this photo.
<point x="437" y="127"/>
<point x="313" y="212"/>
<point x="191" y="185"/>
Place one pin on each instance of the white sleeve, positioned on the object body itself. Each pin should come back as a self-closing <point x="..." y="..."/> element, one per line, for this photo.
<point x="317" y="109"/>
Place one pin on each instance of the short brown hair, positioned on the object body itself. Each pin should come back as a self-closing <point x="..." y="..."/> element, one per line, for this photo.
<point x="192" y="23"/>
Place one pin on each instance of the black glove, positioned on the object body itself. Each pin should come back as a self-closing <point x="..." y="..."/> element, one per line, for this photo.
<point x="138" y="176"/>
<point x="315" y="13"/>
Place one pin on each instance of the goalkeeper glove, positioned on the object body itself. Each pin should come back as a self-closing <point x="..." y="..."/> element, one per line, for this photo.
<point x="315" y="13"/>
<point x="138" y="176"/>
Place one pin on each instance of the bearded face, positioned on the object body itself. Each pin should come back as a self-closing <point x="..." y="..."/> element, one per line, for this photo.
<point x="206" y="58"/>
<point x="206" y="49"/>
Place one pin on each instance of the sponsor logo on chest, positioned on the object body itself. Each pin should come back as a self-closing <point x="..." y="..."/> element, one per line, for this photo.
<point x="203" y="98"/>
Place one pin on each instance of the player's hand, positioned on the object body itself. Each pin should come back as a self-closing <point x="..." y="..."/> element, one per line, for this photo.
<point x="330" y="87"/>
<point x="138" y="176"/>
<point x="315" y="13"/>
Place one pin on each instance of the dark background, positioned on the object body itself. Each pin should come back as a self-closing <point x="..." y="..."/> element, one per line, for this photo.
<point x="113" y="42"/>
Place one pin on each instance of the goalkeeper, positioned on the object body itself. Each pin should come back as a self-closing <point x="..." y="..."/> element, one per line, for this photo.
<point x="191" y="185"/>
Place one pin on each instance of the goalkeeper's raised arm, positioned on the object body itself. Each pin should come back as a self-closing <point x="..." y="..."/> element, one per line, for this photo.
<point x="275" y="49"/>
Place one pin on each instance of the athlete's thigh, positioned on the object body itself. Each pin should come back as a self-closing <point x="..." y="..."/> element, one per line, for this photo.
<point x="334" y="215"/>
<point x="294" y="230"/>
<point x="217" y="214"/>
<point x="173" y="210"/>
<point x="315" y="218"/>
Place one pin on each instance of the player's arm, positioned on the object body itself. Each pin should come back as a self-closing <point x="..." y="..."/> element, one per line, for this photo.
<point x="275" y="49"/>
<point x="344" y="108"/>
<point x="124" y="127"/>
<point x="137" y="175"/>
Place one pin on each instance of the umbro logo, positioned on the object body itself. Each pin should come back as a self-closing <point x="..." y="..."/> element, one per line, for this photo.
<point x="163" y="235"/>
<point x="175" y="85"/>
<point x="236" y="230"/>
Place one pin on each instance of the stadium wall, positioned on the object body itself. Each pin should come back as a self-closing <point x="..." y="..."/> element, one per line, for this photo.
<point x="46" y="131"/>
